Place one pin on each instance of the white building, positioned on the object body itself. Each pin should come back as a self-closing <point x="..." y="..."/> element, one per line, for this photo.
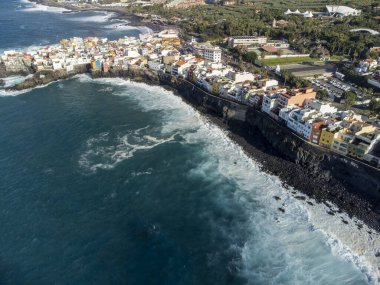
<point x="180" y="68"/>
<point x="246" y="41"/>
<point x="241" y="76"/>
<point x="213" y="54"/>
<point x="267" y="83"/>
<point x="300" y="122"/>
<point x="342" y="11"/>
<point x="319" y="106"/>
<point x="307" y="14"/>
<point x="156" y="65"/>
<point x="285" y="112"/>
<point x="269" y="102"/>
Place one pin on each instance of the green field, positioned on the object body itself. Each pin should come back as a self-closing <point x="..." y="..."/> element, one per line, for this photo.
<point x="308" y="4"/>
<point x="289" y="60"/>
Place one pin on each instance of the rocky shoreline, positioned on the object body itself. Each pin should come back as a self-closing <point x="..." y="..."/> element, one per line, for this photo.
<point x="262" y="144"/>
<point x="120" y="13"/>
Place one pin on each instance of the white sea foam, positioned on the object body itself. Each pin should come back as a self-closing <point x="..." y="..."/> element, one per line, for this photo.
<point x="300" y="237"/>
<point x="124" y="27"/>
<point x="106" y="150"/>
<point x="29" y="48"/>
<point x="294" y="226"/>
<point x="15" y="79"/>
<point x="98" y="17"/>
<point x="4" y="93"/>
<point x="33" y="7"/>
<point x="11" y="81"/>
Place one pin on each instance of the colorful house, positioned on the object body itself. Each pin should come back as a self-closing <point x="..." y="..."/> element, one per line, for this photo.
<point x="316" y="131"/>
<point x="327" y="136"/>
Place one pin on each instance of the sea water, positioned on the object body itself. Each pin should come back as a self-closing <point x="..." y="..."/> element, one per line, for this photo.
<point x="113" y="182"/>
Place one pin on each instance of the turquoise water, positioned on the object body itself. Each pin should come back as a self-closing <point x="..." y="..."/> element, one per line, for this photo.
<point x="113" y="182"/>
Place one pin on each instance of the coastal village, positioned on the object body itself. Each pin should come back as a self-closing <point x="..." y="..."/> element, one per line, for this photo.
<point x="202" y="64"/>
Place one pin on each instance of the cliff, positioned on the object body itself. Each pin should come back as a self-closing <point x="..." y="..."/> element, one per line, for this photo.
<point x="321" y="174"/>
<point x="45" y="77"/>
<point x="17" y="69"/>
<point x="137" y="74"/>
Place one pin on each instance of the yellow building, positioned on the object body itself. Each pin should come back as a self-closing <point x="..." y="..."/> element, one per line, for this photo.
<point x="93" y="64"/>
<point x="215" y="87"/>
<point x="342" y="140"/>
<point x="327" y="137"/>
<point x="171" y="41"/>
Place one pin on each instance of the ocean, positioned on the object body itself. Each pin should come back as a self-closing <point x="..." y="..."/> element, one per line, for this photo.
<point x="108" y="181"/>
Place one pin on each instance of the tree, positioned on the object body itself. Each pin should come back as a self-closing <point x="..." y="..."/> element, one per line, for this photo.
<point x="285" y="75"/>
<point x="322" y="94"/>
<point x="250" y="56"/>
<point x="374" y="106"/>
<point x="263" y="54"/>
<point x="349" y="99"/>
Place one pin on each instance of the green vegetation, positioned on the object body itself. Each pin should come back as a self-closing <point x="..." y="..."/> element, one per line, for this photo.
<point x="374" y="106"/>
<point x="317" y="36"/>
<point x="250" y="56"/>
<point x="322" y="94"/>
<point x="315" y="5"/>
<point x="293" y="81"/>
<point x="287" y="60"/>
<point x="349" y="99"/>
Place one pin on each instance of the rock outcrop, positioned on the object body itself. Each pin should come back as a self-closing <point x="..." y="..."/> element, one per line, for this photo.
<point x="46" y="77"/>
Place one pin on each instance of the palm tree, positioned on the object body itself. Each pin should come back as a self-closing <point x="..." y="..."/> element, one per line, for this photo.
<point x="285" y="74"/>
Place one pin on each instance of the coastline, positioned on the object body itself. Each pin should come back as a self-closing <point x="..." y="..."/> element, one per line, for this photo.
<point x="292" y="184"/>
<point x="120" y="13"/>
<point x="253" y="142"/>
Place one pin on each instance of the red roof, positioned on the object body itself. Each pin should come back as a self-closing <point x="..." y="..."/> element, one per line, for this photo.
<point x="269" y="49"/>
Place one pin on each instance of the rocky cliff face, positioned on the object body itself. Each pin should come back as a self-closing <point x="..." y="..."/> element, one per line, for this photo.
<point x="17" y="70"/>
<point x="321" y="164"/>
<point x="45" y="77"/>
<point x="137" y="74"/>
<point x="317" y="172"/>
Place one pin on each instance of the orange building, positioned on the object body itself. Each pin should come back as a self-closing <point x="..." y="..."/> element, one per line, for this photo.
<point x="295" y="97"/>
<point x="316" y="131"/>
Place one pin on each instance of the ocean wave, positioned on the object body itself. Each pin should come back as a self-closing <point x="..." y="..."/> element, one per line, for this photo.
<point x="300" y="238"/>
<point x="98" y="17"/>
<point x="149" y="98"/>
<point x="14" y="79"/>
<point x="29" y="48"/>
<point x="291" y="229"/>
<point x="107" y="150"/>
<point x="4" y="93"/>
<point x="33" y="7"/>
<point x="124" y="27"/>
<point x="11" y="81"/>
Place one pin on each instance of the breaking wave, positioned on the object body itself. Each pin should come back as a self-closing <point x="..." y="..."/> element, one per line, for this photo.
<point x="99" y="17"/>
<point x="33" y="7"/>
<point x="300" y="234"/>
<point x="125" y="27"/>
<point x="107" y="150"/>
